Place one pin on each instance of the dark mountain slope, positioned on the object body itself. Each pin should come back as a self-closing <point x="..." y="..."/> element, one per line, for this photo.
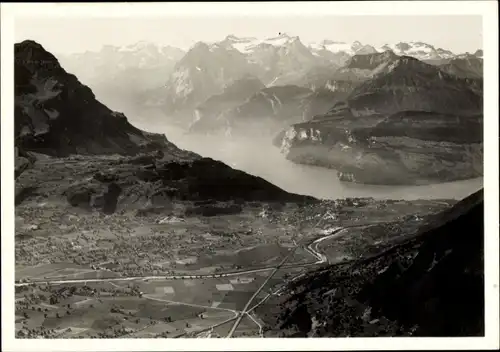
<point x="430" y="285"/>
<point x="409" y="84"/>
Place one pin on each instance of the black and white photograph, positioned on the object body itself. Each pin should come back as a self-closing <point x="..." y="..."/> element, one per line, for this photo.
<point x="186" y="171"/>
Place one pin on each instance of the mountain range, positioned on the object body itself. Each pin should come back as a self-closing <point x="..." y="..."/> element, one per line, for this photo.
<point x="410" y="123"/>
<point x="374" y="114"/>
<point x="73" y="152"/>
<point x="118" y="74"/>
<point x="59" y="118"/>
<point x="263" y="111"/>
<point x="145" y="75"/>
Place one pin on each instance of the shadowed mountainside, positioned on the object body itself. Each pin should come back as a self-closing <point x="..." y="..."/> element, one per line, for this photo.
<point x="430" y="285"/>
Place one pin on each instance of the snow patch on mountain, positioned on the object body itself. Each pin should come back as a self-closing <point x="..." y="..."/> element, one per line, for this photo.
<point x="248" y="45"/>
<point x="418" y="50"/>
<point x="333" y="46"/>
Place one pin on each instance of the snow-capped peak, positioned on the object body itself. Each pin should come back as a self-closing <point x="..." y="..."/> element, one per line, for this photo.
<point x="356" y="45"/>
<point x="246" y="45"/>
<point x="466" y="55"/>
<point x="337" y="47"/>
<point x="445" y="54"/>
<point x="139" y="46"/>
<point x="419" y="50"/>
<point x="234" y="39"/>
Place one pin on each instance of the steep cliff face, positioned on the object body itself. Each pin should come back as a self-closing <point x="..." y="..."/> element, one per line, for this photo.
<point x="410" y="124"/>
<point x="431" y="284"/>
<point x="55" y="114"/>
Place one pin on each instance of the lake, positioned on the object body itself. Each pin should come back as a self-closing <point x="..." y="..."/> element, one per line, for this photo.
<point x="261" y="158"/>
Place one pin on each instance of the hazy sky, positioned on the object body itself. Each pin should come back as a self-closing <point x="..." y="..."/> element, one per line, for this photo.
<point x="456" y="33"/>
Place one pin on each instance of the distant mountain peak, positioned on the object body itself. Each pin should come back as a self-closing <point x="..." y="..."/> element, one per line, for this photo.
<point x="406" y="59"/>
<point x="28" y="43"/>
<point x="328" y="41"/>
<point x="356" y="44"/>
<point x="234" y="39"/>
<point x="34" y="55"/>
<point x="283" y="35"/>
<point x="441" y="50"/>
<point x="282" y="38"/>
<point x="370" y="61"/>
<point x="200" y="45"/>
<point x="405" y="62"/>
<point x="142" y="43"/>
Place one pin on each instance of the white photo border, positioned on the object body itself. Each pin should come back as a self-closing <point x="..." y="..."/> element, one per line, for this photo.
<point x="488" y="10"/>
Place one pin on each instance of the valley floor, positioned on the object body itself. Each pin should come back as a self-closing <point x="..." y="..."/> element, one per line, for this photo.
<point x="164" y="271"/>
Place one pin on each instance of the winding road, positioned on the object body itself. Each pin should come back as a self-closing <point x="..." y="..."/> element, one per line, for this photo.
<point x="311" y="249"/>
